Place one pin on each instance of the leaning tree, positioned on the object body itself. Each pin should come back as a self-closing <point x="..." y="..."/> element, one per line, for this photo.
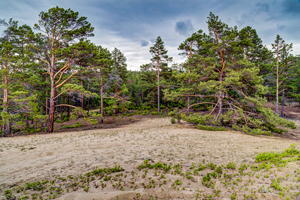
<point x="230" y="83"/>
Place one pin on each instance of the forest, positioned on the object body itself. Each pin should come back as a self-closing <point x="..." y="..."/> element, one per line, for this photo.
<point x="52" y="73"/>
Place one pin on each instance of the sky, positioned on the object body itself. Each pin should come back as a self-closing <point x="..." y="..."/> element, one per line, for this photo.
<point x="132" y="26"/>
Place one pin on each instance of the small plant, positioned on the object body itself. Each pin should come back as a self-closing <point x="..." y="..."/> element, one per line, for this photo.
<point x="231" y="165"/>
<point x="78" y="124"/>
<point x="173" y="120"/>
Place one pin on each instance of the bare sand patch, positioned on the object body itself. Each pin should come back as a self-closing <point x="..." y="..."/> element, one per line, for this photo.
<point x="31" y="158"/>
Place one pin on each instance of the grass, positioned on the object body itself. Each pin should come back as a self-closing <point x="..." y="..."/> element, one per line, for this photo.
<point x="217" y="180"/>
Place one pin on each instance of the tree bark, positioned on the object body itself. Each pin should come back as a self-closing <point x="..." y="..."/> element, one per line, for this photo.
<point x="282" y="104"/>
<point x="82" y="98"/>
<point x="277" y="82"/>
<point x="158" y="92"/>
<point x="101" y="95"/>
<point x="69" y="108"/>
<point x="5" y="105"/>
<point x="52" y="98"/>
<point x="88" y="100"/>
<point x="47" y="106"/>
<point x="188" y="99"/>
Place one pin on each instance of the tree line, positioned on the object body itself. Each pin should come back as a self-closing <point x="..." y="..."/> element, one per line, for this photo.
<point x="52" y="72"/>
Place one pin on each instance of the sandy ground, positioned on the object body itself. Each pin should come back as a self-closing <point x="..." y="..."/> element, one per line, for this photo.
<point x="30" y="158"/>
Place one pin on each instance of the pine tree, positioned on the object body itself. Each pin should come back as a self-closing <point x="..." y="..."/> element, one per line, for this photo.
<point x="230" y="83"/>
<point x="160" y="61"/>
<point x="57" y="45"/>
<point x="119" y="63"/>
<point x="14" y="62"/>
<point x="283" y="68"/>
<point x="191" y="46"/>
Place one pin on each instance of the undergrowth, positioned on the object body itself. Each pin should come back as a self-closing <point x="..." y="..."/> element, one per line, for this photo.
<point x="211" y="180"/>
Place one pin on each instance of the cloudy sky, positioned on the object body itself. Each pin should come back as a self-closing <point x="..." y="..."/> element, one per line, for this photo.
<point x="133" y="25"/>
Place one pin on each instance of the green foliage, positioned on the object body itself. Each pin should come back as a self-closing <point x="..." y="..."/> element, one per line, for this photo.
<point x="173" y="121"/>
<point x="76" y="125"/>
<point x="211" y="128"/>
<point x="278" y="159"/>
<point x="159" y="165"/>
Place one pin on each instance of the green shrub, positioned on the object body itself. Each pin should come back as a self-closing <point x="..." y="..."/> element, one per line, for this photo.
<point x="154" y="113"/>
<point x="66" y="119"/>
<point x="173" y="121"/>
<point x="146" y="112"/>
<point x="78" y="124"/>
<point x="211" y="128"/>
<point x="31" y="130"/>
<point x="58" y="120"/>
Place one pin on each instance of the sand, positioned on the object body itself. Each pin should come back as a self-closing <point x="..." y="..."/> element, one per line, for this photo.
<point x="30" y="158"/>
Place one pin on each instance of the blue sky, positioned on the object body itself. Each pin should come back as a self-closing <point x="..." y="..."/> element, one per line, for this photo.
<point x="133" y="25"/>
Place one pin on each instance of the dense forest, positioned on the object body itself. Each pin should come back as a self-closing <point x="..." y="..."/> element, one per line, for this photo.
<point x="53" y="73"/>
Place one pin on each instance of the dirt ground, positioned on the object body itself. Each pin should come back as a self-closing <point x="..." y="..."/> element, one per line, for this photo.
<point x="38" y="157"/>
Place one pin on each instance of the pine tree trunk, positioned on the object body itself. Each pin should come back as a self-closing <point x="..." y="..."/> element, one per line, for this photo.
<point x="282" y="104"/>
<point x="82" y="98"/>
<point x="27" y="123"/>
<point x="158" y="92"/>
<point x="88" y="100"/>
<point x="188" y="99"/>
<point x="5" y="106"/>
<point x="69" y="108"/>
<point x="47" y="106"/>
<point x="42" y="124"/>
<point x="51" y="108"/>
<point x="101" y="103"/>
<point x="52" y="98"/>
<point x="277" y="86"/>
<point x="220" y="99"/>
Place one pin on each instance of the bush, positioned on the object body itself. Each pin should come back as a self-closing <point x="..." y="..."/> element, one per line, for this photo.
<point x="31" y="130"/>
<point x="78" y="124"/>
<point x="58" y="120"/>
<point x="146" y="112"/>
<point x="66" y="119"/>
<point x="211" y="128"/>
<point x="154" y="113"/>
<point x="173" y="121"/>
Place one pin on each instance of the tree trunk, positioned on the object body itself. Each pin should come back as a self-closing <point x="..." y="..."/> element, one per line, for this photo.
<point x="69" y="108"/>
<point x="188" y="99"/>
<point x="52" y="98"/>
<point x="101" y="103"/>
<point x="27" y="123"/>
<point x="47" y="106"/>
<point x="158" y="92"/>
<point x="5" y="106"/>
<point x="42" y="124"/>
<point x="88" y="100"/>
<point x="82" y="98"/>
<point x="220" y="99"/>
<point x="277" y="82"/>
<point x="51" y="108"/>
<point x="282" y="104"/>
